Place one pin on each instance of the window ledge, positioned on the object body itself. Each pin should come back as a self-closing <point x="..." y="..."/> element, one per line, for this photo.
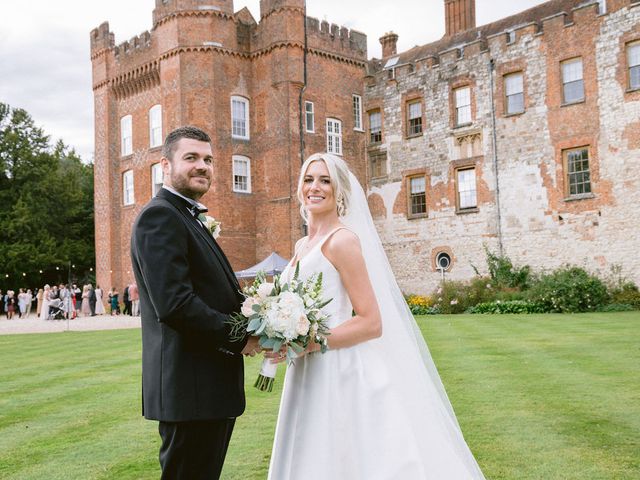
<point x="581" y="196"/>
<point x="462" y="125"/>
<point x="514" y="114"/>
<point x="358" y="130"/>
<point x="242" y="192"/>
<point x="464" y="211"/>
<point x="128" y="156"/>
<point x="577" y="102"/>
<point x="309" y="131"/>
<point x="634" y="89"/>
<point x="414" y="135"/>
<point x="417" y="216"/>
<point x="374" y="145"/>
<point x="129" y="206"/>
<point x="241" y="139"/>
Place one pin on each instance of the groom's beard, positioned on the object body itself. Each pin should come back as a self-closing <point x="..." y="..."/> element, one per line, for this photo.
<point x="182" y="184"/>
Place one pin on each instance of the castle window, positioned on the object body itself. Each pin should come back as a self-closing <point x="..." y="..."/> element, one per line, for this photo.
<point x="334" y="136"/>
<point x="357" y="112"/>
<point x="463" y="105"/>
<point x="310" y="124"/>
<point x="414" y="118"/>
<point x="156" y="178"/>
<point x="511" y="37"/>
<point x="240" y="118"/>
<point x="155" y="126"/>
<point x="602" y="7"/>
<point x="577" y="171"/>
<point x="375" y="127"/>
<point x="417" y="196"/>
<point x="127" y="188"/>
<point x="514" y="91"/>
<point x="126" y="135"/>
<point x="633" y="57"/>
<point x="572" y="80"/>
<point x="241" y="174"/>
<point x="466" y="195"/>
<point x="378" y="164"/>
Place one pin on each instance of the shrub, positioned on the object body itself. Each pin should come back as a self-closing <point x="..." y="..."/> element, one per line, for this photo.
<point x="503" y="274"/>
<point x="513" y="306"/>
<point x="419" y="304"/>
<point x="616" y="307"/>
<point x="569" y="289"/>
<point x="627" y="294"/>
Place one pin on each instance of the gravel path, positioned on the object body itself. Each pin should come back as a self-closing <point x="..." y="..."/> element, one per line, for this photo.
<point x="35" y="325"/>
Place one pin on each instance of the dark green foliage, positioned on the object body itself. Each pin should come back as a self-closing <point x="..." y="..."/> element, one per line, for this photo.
<point x="503" y="274"/>
<point x="512" y="306"/>
<point x="568" y="290"/>
<point x="46" y="206"/>
<point x="628" y="294"/>
<point x="616" y="307"/>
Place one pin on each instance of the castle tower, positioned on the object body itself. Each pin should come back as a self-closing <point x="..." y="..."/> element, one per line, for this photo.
<point x="460" y="15"/>
<point x="389" y="43"/>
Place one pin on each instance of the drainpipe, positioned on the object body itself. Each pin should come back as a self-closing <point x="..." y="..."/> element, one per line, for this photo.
<point x="494" y="138"/>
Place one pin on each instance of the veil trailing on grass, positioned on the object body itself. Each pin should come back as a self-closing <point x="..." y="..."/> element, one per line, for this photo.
<point x="416" y="381"/>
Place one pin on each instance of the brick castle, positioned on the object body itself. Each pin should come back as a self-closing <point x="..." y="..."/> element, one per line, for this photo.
<point x="521" y="135"/>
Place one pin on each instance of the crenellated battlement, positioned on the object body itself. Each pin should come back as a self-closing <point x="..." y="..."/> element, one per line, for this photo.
<point x="536" y="22"/>
<point x="134" y="45"/>
<point x="101" y="38"/>
<point x="335" y="38"/>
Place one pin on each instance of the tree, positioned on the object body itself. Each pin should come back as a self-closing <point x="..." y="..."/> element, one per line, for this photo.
<point x="46" y="206"/>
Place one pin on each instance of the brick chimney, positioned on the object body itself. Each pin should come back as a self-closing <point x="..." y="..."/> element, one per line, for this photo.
<point x="388" y="42"/>
<point x="460" y="15"/>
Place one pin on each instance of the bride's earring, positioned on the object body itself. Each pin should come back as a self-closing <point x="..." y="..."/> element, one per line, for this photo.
<point x="341" y="207"/>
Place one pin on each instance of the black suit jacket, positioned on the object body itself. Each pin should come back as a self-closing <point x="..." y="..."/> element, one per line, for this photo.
<point x="191" y="370"/>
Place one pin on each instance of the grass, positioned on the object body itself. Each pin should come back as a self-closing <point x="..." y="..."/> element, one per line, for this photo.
<point x="538" y="397"/>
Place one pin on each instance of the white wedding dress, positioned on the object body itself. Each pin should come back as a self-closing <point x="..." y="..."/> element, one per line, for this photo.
<point x="374" y="411"/>
<point x="344" y="416"/>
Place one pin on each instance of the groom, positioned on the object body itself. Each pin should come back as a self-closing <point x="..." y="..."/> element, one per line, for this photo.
<point x="192" y="372"/>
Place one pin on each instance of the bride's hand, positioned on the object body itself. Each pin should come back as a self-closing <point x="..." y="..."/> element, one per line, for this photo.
<point x="277" y="356"/>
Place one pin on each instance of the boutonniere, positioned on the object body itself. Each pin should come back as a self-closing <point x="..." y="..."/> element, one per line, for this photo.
<point x="214" y="226"/>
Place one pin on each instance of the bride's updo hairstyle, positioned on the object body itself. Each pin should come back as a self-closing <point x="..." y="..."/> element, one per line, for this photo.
<point x="339" y="174"/>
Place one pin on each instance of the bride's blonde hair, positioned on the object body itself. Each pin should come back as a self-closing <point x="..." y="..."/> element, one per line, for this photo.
<point x="339" y="175"/>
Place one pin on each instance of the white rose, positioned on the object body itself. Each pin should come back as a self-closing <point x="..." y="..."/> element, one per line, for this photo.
<point x="247" y="306"/>
<point x="286" y="314"/>
<point x="265" y="290"/>
<point x="303" y="325"/>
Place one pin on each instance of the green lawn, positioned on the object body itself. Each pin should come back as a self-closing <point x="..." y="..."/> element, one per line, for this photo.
<point x="538" y="397"/>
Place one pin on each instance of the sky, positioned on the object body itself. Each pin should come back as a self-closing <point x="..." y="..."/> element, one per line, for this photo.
<point x="44" y="47"/>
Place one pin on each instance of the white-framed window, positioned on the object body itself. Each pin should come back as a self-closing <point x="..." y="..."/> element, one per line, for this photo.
<point x="417" y="196"/>
<point x="414" y="118"/>
<point x="463" y="105"/>
<point x="375" y="127"/>
<point x="127" y="188"/>
<point x="155" y="126"/>
<point x="633" y="59"/>
<point x="357" y="112"/>
<point x="156" y="178"/>
<point x="578" y="172"/>
<point x="240" y="117"/>
<point x="602" y="7"/>
<point x="126" y="135"/>
<point x="466" y="188"/>
<point x="241" y="174"/>
<point x="514" y="92"/>
<point x="309" y="117"/>
<point x="334" y="136"/>
<point x="572" y="81"/>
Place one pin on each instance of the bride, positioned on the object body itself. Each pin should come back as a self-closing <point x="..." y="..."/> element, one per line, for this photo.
<point x="372" y="407"/>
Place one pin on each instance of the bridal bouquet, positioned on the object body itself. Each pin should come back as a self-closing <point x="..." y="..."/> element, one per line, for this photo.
<point x="282" y="315"/>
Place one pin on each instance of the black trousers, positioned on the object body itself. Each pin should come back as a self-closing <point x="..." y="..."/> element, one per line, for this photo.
<point x="194" y="450"/>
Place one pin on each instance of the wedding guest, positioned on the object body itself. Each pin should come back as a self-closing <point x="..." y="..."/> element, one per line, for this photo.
<point x="28" y="297"/>
<point x="11" y="304"/>
<point x="22" y="303"/>
<point x="125" y="300"/>
<point x="78" y="297"/>
<point x="115" y="305"/>
<point x="99" y="301"/>
<point x="86" y="310"/>
<point x="135" y="299"/>
<point x="92" y="300"/>
<point x="65" y="296"/>
<point x="39" y="298"/>
<point x="46" y="300"/>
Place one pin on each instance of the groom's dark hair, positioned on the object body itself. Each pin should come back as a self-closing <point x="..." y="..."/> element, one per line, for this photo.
<point x="194" y="133"/>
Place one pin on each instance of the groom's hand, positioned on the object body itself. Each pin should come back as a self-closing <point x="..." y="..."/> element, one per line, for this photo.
<point x="252" y="347"/>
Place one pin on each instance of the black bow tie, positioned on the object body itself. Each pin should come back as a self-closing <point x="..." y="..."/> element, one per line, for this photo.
<point x="196" y="210"/>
